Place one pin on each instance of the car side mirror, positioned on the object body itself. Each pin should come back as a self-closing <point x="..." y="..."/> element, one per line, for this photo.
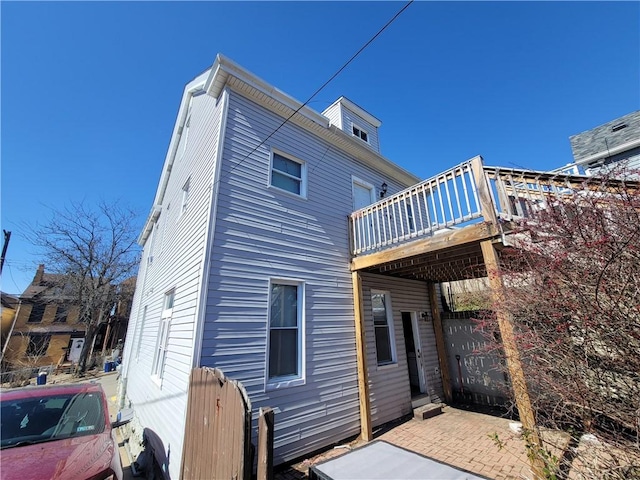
<point x="119" y="423"/>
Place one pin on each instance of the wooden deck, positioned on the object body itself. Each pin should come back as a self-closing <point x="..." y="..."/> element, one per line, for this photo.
<point x="452" y="227"/>
<point x="432" y="231"/>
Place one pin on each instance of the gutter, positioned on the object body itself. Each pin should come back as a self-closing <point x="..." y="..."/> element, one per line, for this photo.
<point x="612" y="151"/>
<point x="190" y="90"/>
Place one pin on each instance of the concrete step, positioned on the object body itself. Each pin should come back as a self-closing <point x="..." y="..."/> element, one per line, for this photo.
<point x="427" y="411"/>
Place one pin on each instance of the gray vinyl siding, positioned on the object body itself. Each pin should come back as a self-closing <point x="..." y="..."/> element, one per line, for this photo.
<point x="628" y="161"/>
<point x="389" y="388"/>
<point x="349" y="118"/>
<point x="262" y="233"/>
<point x="178" y="254"/>
<point x="605" y="137"/>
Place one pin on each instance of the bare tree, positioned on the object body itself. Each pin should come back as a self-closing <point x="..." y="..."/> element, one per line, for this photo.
<point x="95" y="249"/>
<point x="572" y="289"/>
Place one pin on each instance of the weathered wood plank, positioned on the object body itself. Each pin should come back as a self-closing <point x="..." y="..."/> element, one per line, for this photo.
<point x="440" y="345"/>
<point x="217" y="433"/>
<point x="265" y="444"/>
<point x="484" y="192"/>
<point x="514" y="363"/>
<point x="366" y="431"/>
<point x="471" y="233"/>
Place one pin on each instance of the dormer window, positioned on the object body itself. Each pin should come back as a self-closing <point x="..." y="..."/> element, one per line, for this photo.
<point x="361" y="134"/>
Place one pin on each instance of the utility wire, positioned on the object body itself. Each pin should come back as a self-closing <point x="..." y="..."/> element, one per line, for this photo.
<point x="353" y="57"/>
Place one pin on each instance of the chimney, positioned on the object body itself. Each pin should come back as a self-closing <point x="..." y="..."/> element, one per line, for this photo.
<point x="37" y="280"/>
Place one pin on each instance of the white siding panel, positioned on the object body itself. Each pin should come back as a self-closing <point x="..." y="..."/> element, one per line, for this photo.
<point x="177" y="264"/>
<point x="334" y="115"/>
<point x="263" y="233"/>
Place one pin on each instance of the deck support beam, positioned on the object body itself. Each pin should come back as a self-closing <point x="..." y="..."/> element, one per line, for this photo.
<point x="514" y="362"/>
<point x="440" y="344"/>
<point x="366" y="431"/>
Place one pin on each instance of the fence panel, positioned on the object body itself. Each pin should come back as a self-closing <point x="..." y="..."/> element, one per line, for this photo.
<point x="217" y="440"/>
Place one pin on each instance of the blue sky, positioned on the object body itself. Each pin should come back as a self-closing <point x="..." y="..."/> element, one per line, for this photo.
<point x="90" y="91"/>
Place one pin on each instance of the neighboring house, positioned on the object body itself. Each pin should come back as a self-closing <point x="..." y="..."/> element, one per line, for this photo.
<point x="46" y="324"/>
<point x="246" y="267"/>
<point x="47" y="329"/>
<point x="615" y="143"/>
<point x="9" y="308"/>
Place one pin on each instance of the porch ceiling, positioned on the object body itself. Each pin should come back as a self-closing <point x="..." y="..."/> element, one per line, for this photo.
<point x="445" y="265"/>
<point x="445" y="257"/>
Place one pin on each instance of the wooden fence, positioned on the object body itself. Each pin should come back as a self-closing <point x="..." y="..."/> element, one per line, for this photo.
<point x="217" y="441"/>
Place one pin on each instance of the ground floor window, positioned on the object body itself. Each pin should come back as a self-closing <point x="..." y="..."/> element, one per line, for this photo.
<point x="38" y="345"/>
<point x="383" y="327"/>
<point x="285" y="360"/>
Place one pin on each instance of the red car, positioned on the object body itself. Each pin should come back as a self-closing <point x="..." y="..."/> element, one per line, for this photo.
<point x="58" y="432"/>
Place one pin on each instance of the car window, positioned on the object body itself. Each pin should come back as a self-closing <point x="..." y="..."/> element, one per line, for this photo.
<point x="28" y="421"/>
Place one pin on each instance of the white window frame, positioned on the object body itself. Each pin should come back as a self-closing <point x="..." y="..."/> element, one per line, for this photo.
<point x="366" y="185"/>
<point x="289" y="380"/>
<point x="154" y="240"/>
<point x="389" y="326"/>
<point x="303" y="173"/>
<point x="185" y="196"/>
<point x="162" y="342"/>
<point x="357" y="132"/>
<point x="139" y="339"/>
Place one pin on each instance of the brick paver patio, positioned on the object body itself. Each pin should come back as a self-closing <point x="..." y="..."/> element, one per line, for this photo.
<point x="457" y="437"/>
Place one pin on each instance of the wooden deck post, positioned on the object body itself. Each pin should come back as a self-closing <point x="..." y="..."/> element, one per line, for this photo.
<point x="440" y="345"/>
<point x="366" y="431"/>
<point x="483" y="188"/>
<point x="514" y="363"/>
<point x="265" y="444"/>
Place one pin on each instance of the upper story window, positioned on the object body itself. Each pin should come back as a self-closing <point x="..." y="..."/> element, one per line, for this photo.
<point x="286" y="346"/>
<point x="383" y="326"/>
<point x="361" y="134"/>
<point x="37" y="312"/>
<point x="141" y="336"/>
<point x="289" y="174"/>
<point x="61" y="314"/>
<point x="185" y="196"/>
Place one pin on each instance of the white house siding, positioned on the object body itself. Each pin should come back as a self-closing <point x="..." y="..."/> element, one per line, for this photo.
<point x="178" y="253"/>
<point x="264" y="233"/>
<point x="389" y="388"/>
<point x="349" y="118"/>
<point x="334" y="114"/>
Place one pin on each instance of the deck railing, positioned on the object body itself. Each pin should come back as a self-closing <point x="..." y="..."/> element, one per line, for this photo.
<point x="443" y="201"/>
<point x="517" y="193"/>
<point x="465" y="194"/>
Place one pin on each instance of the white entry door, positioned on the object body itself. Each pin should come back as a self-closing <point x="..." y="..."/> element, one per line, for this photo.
<point x="76" y="349"/>
<point x="413" y="347"/>
<point x="363" y="196"/>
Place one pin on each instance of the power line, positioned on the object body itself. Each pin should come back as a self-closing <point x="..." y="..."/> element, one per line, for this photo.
<point x="345" y="65"/>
